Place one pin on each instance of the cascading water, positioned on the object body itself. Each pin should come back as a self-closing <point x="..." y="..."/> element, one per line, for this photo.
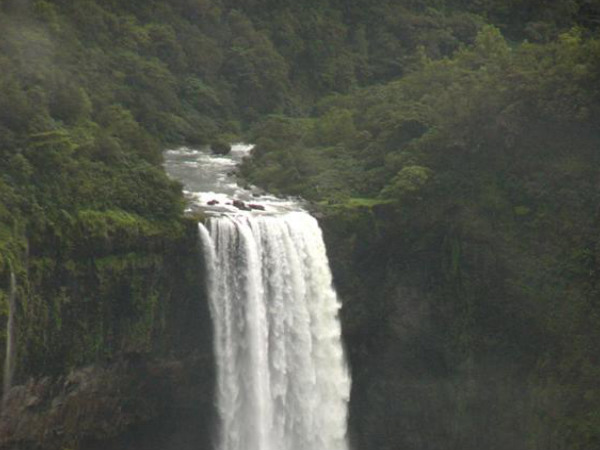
<point x="10" y="338"/>
<point x="282" y="381"/>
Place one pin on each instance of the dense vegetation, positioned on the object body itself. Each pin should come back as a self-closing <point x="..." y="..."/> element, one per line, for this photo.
<point x="467" y="195"/>
<point x="451" y="146"/>
<point x="461" y="208"/>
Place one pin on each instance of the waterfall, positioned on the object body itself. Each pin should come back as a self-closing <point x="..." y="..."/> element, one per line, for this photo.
<point x="10" y="338"/>
<point x="282" y="381"/>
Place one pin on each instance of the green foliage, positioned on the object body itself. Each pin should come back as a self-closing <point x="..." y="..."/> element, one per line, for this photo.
<point x="335" y="127"/>
<point x="103" y="285"/>
<point x="455" y="162"/>
<point x="488" y="159"/>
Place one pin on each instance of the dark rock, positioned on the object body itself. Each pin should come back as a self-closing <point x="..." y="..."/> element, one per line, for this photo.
<point x="213" y="202"/>
<point x="240" y="205"/>
<point x="255" y="206"/>
<point x="98" y="403"/>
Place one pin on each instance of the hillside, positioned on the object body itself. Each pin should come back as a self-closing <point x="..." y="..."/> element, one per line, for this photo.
<point x="449" y="147"/>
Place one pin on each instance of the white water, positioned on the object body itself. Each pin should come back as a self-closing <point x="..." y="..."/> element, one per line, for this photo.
<point x="10" y="338"/>
<point x="207" y="177"/>
<point x="282" y="380"/>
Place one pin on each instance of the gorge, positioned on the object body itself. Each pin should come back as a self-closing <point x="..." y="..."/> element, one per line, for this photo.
<point x="448" y="150"/>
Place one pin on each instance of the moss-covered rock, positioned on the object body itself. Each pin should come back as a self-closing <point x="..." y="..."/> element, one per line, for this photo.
<point x="124" y="297"/>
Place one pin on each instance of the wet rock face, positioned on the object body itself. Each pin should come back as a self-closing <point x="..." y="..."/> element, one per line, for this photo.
<point x="95" y="404"/>
<point x="240" y="205"/>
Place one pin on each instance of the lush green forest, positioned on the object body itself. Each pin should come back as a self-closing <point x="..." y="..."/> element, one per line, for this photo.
<point x="449" y="146"/>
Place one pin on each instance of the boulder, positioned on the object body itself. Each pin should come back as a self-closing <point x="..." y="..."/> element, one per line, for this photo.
<point x="240" y="205"/>
<point x="255" y="206"/>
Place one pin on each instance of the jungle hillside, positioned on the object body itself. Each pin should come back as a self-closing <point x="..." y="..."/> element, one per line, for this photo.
<point x="449" y="148"/>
